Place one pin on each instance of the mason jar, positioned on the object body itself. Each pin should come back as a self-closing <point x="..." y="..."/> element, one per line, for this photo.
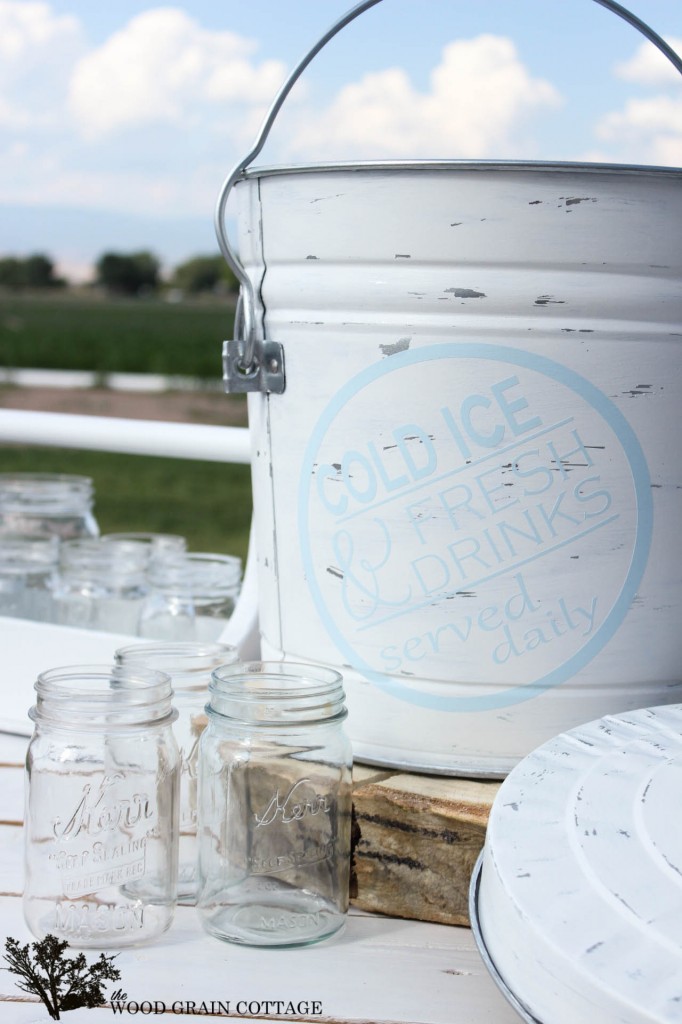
<point x="28" y="567"/>
<point x="274" y="805"/>
<point x="101" y="828"/>
<point x="191" y="597"/>
<point x="47" y="504"/>
<point x="159" y="546"/>
<point x="189" y="666"/>
<point x="101" y="585"/>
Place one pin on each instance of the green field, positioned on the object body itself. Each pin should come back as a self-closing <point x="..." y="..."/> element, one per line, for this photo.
<point x="207" y="502"/>
<point x="83" y="332"/>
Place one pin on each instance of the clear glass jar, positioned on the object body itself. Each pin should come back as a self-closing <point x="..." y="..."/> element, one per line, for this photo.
<point x="47" y="504"/>
<point x="28" y="567"/>
<point x="101" y="831"/>
<point x="191" y="597"/>
<point x="101" y="585"/>
<point x="159" y="545"/>
<point x="189" y="665"/>
<point x="274" y="805"/>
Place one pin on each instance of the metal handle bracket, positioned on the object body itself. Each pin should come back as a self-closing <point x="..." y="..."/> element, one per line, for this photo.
<point x="265" y="372"/>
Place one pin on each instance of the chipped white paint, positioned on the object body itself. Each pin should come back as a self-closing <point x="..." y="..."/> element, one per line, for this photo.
<point x="580" y="895"/>
<point x="468" y="497"/>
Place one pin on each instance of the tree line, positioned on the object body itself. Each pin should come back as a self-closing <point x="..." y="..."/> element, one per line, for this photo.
<point x="36" y="271"/>
<point x="124" y="274"/>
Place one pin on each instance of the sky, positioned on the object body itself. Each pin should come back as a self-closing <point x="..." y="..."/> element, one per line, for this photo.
<point x="119" y="121"/>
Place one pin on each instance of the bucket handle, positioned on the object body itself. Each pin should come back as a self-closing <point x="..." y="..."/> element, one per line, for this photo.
<point x="244" y="371"/>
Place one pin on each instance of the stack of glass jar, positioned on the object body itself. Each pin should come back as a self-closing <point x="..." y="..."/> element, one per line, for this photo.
<point x="55" y="567"/>
<point x="28" y="567"/>
<point x="177" y="774"/>
<point x="47" y="505"/>
<point x="37" y="512"/>
<point x="262" y="836"/>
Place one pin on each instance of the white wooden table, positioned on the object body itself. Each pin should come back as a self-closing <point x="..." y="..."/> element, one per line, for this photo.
<point x="377" y="970"/>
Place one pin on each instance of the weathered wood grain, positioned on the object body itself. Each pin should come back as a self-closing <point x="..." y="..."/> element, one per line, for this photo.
<point x="416" y="840"/>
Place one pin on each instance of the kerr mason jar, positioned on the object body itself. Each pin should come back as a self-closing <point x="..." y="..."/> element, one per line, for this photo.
<point x="101" y="832"/>
<point x="274" y="805"/>
<point x="47" y="504"/>
<point x="101" y="585"/>
<point x="191" y="596"/>
<point x="189" y="665"/>
<point x="28" y="567"/>
<point x="159" y="545"/>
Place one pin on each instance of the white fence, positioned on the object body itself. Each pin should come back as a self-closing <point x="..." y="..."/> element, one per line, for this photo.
<point x="133" y="437"/>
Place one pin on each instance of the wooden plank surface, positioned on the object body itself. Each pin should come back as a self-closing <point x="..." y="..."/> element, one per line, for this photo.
<point x="417" y="838"/>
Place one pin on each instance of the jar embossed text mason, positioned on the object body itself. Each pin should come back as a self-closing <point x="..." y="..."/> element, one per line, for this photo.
<point x="101" y="835"/>
<point x="274" y="805"/>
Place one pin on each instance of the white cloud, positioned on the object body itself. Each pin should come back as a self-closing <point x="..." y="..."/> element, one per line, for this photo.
<point x="12" y="117"/>
<point x="163" y="67"/>
<point x="646" y="130"/>
<point x="648" y="66"/>
<point x="148" y="122"/>
<point x="30" y="175"/>
<point x="37" y="51"/>
<point x="479" y="96"/>
<point x="30" y="31"/>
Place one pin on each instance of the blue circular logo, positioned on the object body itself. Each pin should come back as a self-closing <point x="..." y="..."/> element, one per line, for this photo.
<point x="472" y="516"/>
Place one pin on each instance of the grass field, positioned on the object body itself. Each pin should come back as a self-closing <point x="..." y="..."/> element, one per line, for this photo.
<point x="82" y="332"/>
<point x="207" y="502"/>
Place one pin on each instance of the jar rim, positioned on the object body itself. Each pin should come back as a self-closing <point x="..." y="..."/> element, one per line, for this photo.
<point x="92" y="554"/>
<point x="40" y="493"/>
<point x="58" y="479"/>
<point x="82" y="693"/>
<point x="277" y="693"/>
<point x="188" y="662"/>
<point x="282" y="678"/>
<point x="180" y="649"/>
<point x="25" y="551"/>
<point x="146" y="537"/>
<point x="200" y="572"/>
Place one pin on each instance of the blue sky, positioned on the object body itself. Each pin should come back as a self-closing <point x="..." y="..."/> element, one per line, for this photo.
<point x="118" y="121"/>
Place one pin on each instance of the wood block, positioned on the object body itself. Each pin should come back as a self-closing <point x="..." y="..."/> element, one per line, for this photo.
<point x="416" y="840"/>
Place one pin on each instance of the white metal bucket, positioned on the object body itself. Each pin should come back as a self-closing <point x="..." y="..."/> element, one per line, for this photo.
<point x="468" y="492"/>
